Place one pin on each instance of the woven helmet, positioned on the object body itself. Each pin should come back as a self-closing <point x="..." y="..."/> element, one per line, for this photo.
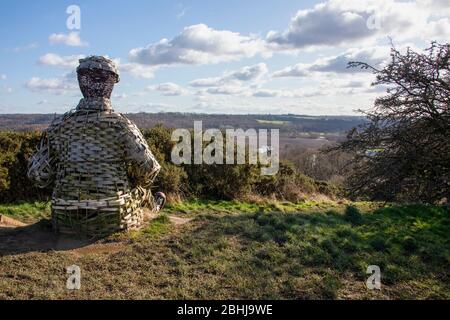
<point x="99" y="62"/>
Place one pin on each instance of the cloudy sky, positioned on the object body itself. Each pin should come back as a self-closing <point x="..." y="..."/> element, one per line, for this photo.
<point x="233" y="56"/>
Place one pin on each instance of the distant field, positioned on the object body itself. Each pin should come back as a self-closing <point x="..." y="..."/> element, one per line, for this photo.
<point x="302" y="142"/>
<point x="229" y="250"/>
<point x="273" y="122"/>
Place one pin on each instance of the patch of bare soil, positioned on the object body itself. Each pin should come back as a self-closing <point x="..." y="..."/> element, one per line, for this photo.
<point x="17" y="237"/>
<point x="37" y="237"/>
<point x="99" y="248"/>
<point x="40" y="238"/>
<point x="10" y="222"/>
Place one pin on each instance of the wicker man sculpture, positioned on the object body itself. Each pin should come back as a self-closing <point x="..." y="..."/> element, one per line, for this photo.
<point x="98" y="160"/>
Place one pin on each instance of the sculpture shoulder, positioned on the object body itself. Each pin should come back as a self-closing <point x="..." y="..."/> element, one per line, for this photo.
<point x="87" y="117"/>
<point x="59" y="120"/>
<point x="77" y="119"/>
<point x="125" y="122"/>
<point x="124" y="118"/>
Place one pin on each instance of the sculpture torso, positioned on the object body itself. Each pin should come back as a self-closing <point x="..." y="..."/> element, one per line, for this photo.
<point x="100" y="161"/>
<point x="90" y="154"/>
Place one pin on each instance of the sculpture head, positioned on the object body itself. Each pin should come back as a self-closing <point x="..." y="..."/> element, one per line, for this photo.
<point x="97" y="76"/>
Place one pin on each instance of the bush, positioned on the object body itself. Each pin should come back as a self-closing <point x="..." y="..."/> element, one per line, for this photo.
<point x="292" y="185"/>
<point x="15" y="150"/>
<point x="220" y="181"/>
<point x="171" y="179"/>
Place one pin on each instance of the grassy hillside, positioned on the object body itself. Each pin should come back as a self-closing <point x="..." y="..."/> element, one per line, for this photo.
<point x="233" y="249"/>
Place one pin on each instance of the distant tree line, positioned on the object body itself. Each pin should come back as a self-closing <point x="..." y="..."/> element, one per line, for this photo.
<point x="289" y="124"/>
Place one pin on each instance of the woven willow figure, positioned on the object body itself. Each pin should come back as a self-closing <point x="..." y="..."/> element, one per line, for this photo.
<point x="98" y="160"/>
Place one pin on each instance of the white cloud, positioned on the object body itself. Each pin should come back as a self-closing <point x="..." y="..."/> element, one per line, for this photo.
<point x="438" y="30"/>
<point x="339" y="22"/>
<point x="71" y="62"/>
<point x="306" y="101"/>
<point x="138" y="93"/>
<point x="148" y="107"/>
<point x="320" y="82"/>
<point x="439" y="8"/>
<point x="331" y="23"/>
<point x="182" y="11"/>
<point x="298" y="70"/>
<point x="248" y="92"/>
<point x="60" y="85"/>
<point x="234" y="82"/>
<point x="26" y="47"/>
<point x="198" y="44"/>
<point x="266" y="93"/>
<point x="319" y="86"/>
<point x="120" y="96"/>
<point x="169" y="89"/>
<point x="55" y="60"/>
<point x="226" y="90"/>
<point x="71" y="39"/>
<point x="249" y="73"/>
<point x="374" y="56"/>
<point x="252" y="74"/>
<point x="138" y="70"/>
<point x="6" y="89"/>
<point x="325" y="24"/>
<point x="206" y="82"/>
<point x="238" y="82"/>
<point x="157" y="106"/>
<point x="288" y="93"/>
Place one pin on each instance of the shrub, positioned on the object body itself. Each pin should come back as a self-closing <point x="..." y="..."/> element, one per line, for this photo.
<point x="15" y="150"/>
<point x="171" y="179"/>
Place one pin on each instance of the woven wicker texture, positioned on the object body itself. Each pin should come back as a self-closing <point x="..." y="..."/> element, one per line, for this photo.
<point x="92" y="154"/>
<point x="99" y="162"/>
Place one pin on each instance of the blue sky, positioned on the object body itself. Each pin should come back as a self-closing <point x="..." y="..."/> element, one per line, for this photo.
<point x="210" y="56"/>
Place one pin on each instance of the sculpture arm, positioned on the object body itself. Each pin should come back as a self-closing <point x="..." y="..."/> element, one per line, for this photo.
<point x="144" y="165"/>
<point x="40" y="165"/>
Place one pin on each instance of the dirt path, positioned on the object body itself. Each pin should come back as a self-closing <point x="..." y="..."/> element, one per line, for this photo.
<point x="17" y="237"/>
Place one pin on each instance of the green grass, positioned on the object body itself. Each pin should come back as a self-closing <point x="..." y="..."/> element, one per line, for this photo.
<point x="196" y="207"/>
<point x="159" y="225"/>
<point x="408" y="243"/>
<point x="308" y="250"/>
<point x="156" y="227"/>
<point x="26" y="212"/>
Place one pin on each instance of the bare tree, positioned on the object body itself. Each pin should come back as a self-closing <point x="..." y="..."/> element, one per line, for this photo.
<point x="403" y="151"/>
